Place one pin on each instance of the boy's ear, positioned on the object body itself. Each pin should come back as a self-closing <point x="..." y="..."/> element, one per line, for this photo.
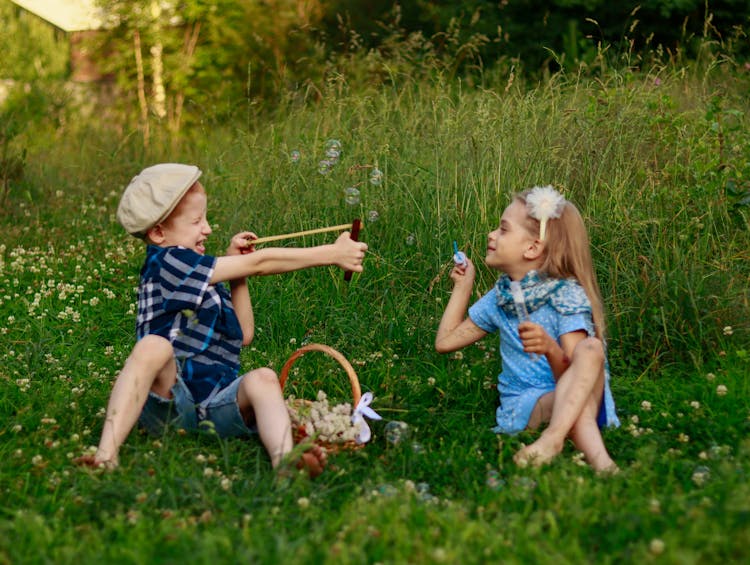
<point x="156" y="234"/>
<point x="535" y="250"/>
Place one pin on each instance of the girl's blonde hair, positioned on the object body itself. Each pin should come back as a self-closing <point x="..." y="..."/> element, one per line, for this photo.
<point x="568" y="254"/>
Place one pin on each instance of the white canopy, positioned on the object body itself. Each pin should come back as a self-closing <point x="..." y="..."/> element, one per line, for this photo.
<point x="68" y="15"/>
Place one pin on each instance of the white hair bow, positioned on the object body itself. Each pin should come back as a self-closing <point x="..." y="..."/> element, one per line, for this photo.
<point x="363" y="409"/>
<point x="544" y="203"/>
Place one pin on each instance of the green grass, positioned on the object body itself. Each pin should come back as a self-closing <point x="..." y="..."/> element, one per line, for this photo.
<point x="647" y="161"/>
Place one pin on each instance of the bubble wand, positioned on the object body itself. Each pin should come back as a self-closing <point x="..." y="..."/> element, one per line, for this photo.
<point x="459" y="257"/>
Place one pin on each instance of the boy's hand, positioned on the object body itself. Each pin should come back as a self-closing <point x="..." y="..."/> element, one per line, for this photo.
<point x="463" y="274"/>
<point x="535" y="339"/>
<point x="242" y="243"/>
<point x="349" y="254"/>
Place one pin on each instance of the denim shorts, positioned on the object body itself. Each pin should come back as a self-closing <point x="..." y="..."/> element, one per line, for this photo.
<point x="219" y="414"/>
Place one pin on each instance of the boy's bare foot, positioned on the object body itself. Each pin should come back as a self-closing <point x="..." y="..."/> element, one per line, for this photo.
<point x="538" y="453"/>
<point x="92" y="462"/>
<point x="305" y="456"/>
<point x="314" y="460"/>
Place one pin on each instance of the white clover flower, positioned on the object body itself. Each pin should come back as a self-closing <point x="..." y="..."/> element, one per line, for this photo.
<point x="226" y="483"/>
<point x="728" y="330"/>
<point x="683" y="438"/>
<point x="695" y="404"/>
<point x="710" y="376"/>
<point x="721" y="390"/>
<point x="646" y="405"/>
<point x="656" y="546"/>
<point x="303" y="502"/>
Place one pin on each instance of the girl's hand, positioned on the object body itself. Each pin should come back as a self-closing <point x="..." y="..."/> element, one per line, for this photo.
<point x="535" y="339"/>
<point x="242" y="243"/>
<point x="349" y="254"/>
<point x="463" y="274"/>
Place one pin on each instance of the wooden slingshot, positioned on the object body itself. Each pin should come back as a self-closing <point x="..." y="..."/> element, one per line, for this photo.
<point x="354" y="227"/>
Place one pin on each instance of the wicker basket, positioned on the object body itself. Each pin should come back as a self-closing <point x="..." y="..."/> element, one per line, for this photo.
<point x="298" y="429"/>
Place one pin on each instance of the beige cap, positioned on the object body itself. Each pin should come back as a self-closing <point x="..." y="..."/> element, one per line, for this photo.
<point x="153" y="194"/>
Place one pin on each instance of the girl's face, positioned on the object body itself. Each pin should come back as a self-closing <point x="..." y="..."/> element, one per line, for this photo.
<point x="510" y="246"/>
<point x="187" y="225"/>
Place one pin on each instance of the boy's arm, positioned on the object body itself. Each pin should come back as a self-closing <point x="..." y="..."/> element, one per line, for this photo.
<point x="345" y="253"/>
<point x="241" y="302"/>
<point x="456" y="330"/>
<point x="243" y="307"/>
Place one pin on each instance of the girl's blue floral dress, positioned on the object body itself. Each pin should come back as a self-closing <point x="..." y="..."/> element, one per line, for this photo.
<point x="560" y="306"/>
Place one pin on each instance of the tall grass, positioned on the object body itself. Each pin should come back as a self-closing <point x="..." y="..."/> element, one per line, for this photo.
<point x="646" y="156"/>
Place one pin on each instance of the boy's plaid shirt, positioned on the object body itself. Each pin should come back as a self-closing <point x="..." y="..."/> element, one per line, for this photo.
<point x="177" y="302"/>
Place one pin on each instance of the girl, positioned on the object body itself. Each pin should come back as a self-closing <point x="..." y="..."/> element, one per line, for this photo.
<point x="554" y="367"/>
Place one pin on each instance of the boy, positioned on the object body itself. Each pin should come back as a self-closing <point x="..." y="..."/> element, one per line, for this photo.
<point x="184" y="367"/>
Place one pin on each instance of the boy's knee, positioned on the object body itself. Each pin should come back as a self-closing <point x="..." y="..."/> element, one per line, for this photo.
<point x="261" y="378"/>
<point x="154" y="345"/>
<point x="267" y="375"/>
<point x="151" y="351"/>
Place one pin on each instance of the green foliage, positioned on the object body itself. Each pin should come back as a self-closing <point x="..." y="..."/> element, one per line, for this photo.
<point x="31" y="48"/>
<point x="24" y="106"/>
<point x="658" y="163"/>
<point x="215" y="55"/>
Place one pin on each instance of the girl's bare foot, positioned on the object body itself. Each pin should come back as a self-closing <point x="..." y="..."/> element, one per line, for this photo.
<point x="541" y="452"/>
<point x="608" y="470"/>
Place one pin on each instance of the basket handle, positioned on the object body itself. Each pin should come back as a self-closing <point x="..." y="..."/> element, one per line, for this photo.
<point x="353" y="380"/>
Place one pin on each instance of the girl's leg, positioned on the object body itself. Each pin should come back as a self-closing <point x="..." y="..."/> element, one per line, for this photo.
<point x="150" y="366"/>
<point x="260" y="396"/>
<point x="575" y="405"/>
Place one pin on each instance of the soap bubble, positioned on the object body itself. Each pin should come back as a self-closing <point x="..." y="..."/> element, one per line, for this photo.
<point x="373" y="216"/>
<point x="376" y="176"/>
<point x="411" y="239"/>
<point x="494" y="480"/>
<point x="423" y="492"/>
<point x="334" y="144"/>
<point x="333" y="155"/>
<point x="396" y="431"/>
<point x="324" y="167"/>
<point x="351" y="195"/>
<point x="386" y="489"/>
<point x="701" y="474"/>
<point x="295" y="156"/>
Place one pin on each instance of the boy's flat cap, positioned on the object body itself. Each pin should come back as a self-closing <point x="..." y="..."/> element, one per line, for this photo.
<point x="153" y="194"/>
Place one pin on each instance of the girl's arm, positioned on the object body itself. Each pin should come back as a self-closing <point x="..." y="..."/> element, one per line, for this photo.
<point x="536" y="340"/>
<point x="345" y="253"/>
<point x="456" y="330"/>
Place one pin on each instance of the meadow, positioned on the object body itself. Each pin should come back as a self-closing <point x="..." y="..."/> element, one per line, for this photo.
<point x="657" y="160"/>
